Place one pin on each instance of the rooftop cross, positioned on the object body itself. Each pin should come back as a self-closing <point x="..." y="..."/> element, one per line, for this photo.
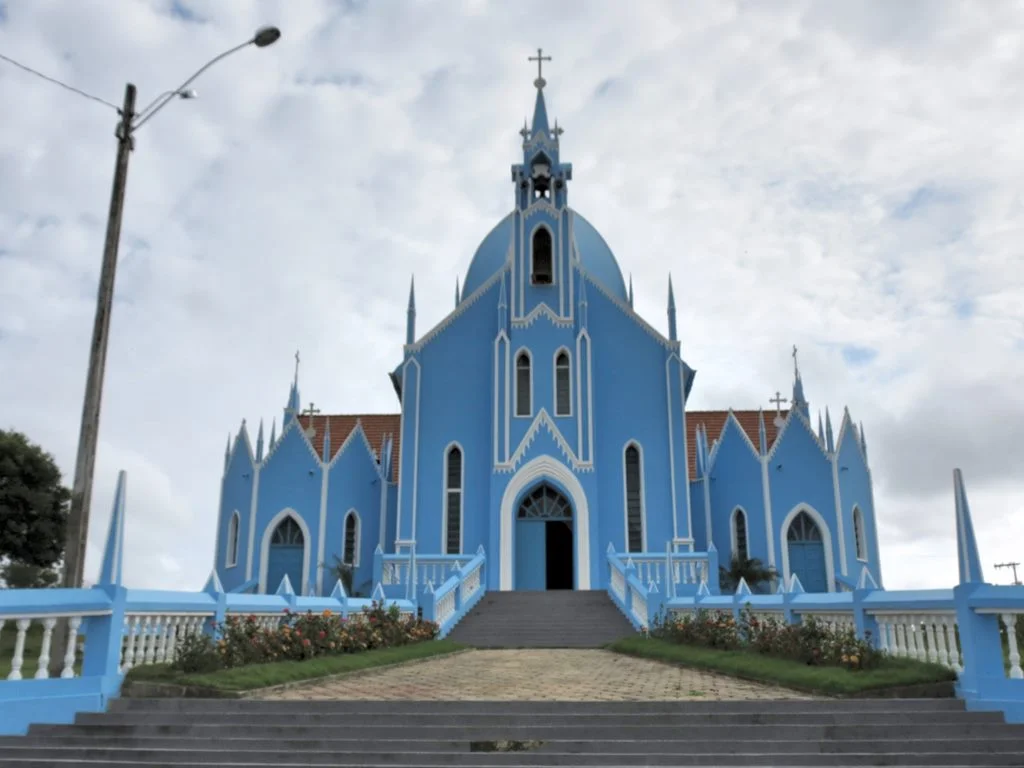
<point x="540" y="58"/>
<point x="796" y="367"/>
<point x="311" y="411"/>
<point x="296" y="365"/>
<point x="778" y="400"/>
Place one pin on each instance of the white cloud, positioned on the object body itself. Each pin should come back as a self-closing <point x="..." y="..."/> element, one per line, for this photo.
<point x="827" y="175"/>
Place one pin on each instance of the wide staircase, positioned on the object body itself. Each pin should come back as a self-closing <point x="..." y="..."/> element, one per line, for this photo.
<point x="201" y="732"/>
<point x="551" y="619"/>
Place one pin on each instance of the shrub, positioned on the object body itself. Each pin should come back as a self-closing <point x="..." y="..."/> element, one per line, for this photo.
<point x="196" y="654"/>
<point x="810" y="642"/>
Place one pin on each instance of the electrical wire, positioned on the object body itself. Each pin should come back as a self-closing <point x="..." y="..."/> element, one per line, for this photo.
<point x="58" y="82"/>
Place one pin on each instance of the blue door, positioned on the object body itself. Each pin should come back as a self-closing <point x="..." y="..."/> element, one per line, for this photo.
<point x="531" y="560"/>
<point x="287" y="550"/>
<point x="807" y="553"/>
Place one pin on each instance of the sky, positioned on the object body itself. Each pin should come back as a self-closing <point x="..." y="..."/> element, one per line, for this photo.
<point x="845" y="177"/>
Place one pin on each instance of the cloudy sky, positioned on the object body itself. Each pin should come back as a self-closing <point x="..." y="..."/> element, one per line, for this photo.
<point x="844" y="177"/>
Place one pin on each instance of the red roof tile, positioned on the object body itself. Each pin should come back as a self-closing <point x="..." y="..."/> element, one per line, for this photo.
<point x="375" y="425"/>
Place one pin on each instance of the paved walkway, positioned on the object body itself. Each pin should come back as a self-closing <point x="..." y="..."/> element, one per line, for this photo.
<point x="537" y="675"/>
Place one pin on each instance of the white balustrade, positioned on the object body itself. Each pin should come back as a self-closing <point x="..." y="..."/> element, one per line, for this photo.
<point x="921" y="636"/>
<point x="154" y="638"/>
<point x="445" y="607"/>
<point x="836" y="622"/>
<point x="22" y="627"/>
<point x="638" y="606"/>
<point x="1010" y="620"/>
<point x="471" y="584"/>
<point x="618" y="584"/>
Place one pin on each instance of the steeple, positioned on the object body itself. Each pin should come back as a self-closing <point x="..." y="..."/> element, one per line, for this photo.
<point x="799" y="401"/>
<point x="540" y="110"/>
<point x="410" y="314"/>
<point x="863" y="441"/>
<point x="966" y="543"/>
<point x="113" y="552"/>
<point x="671" y="311"/>
<point x="273" y="435"/>
<point x="829" y="442"/>
<point x="227" y="453"/>
<point x="762" y="433"/>
<point x="630" y="290"/>
<point x="292" y="409"/>
<point x="821" y="428"/>
<point x="259" y="443"/>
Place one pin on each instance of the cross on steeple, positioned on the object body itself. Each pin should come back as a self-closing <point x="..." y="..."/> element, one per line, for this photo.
<point x="296" y="365"/>
<point x="540" y="58"/>
<point x="311" y="411"/>
<point x="796" y="366"/>
<point x="778" y="400"/>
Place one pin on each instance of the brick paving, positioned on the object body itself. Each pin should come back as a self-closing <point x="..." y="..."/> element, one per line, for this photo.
<point x="536" y="675"/>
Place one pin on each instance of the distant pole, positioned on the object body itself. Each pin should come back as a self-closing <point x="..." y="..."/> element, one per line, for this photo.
<point x="1013" y="566"/>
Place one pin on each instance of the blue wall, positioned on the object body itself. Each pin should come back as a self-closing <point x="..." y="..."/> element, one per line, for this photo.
<point x="736" y="482"/>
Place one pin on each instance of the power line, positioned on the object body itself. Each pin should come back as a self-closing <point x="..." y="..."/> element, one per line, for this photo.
<point x="1016" y="581"/>
<point x="58" y="82"/>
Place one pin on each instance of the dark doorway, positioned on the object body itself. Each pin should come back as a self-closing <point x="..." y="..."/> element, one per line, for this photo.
<point x="559" y="563"/>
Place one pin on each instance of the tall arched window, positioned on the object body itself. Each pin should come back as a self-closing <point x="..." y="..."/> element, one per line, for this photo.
<point x="634" y="501"/>
<point x="350" y="555"/>
<point x="563" y="391"/>
<point x="231" y="558"/>
<point x="453" y="501"/>
<point x="542" y="273"/>
<point x="740" y="545"/>
<point x="859" y="538"/>
<point x="524" y="395"/>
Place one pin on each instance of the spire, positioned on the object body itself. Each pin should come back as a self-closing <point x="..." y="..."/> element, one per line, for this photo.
<point x="273" y="435"/>
<point x="821" y="428"/>
<point x="829" y="442"/>
<point x="259" y="443"/>
<point x="630" y="290"/>
<point x="799" y="401"/>
<point x="698" y="450"/>
<point x="113" y="553"/>
<point x="762" y="433"/>
<point x="540" y="110"/>
<point x="863" y="441"/>
<point x="227" y="453"/>
<point x="458" y="299"/>
<point x="291" y="410"/>
<point x="966" y="544"/>
<point x="503" y="305"/>
<point x="327" y="439"/>
<point x="671" y="311"/>
<point x="410" y="314"/>
<point x="584" y="319"/>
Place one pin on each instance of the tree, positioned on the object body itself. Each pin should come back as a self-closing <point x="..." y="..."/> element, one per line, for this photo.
<point x="339" y="570"/>
<point x="758" y="577"/>
<point x="20" y="576"/>
<point x="33" y="503"/>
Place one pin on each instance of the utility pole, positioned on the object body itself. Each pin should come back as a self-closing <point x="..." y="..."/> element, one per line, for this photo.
<point x="1016" y="581"/>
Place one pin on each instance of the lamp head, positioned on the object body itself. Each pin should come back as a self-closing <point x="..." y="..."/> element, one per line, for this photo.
<point x="266" y="36"/>
<point x="188" y="94"/>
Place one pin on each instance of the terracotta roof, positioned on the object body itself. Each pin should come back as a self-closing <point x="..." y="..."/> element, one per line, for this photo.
<point x="375" y="425"/>
<point x="714" y="422"/>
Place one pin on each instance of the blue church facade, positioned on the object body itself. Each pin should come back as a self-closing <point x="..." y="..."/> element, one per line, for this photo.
<point x="542" y="420"/>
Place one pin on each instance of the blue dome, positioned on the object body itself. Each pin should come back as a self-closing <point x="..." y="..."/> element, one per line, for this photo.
<point x="595" y="256"/>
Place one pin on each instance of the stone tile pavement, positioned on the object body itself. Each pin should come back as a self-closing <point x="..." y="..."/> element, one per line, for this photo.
<point x="536" y="675"/>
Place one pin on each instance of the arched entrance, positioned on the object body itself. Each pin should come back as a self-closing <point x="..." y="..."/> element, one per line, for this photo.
<point x="806" y="547"/>
<point x="286" y="556"/>
<point x="544" y="540"/>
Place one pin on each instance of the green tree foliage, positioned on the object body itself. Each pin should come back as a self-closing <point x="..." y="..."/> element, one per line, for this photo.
<point x="340" y="571"/>
<point x="758" y="577"/>
<point x="20" y="576"/>
<point x="33" y="503"/>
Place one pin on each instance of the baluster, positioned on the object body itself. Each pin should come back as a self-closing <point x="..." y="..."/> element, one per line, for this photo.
<point x="912" y="650"/>
<point x="131" y="640"/>
<point x="949" y="624"/>
<point x="883" y="633"/>
<point x="159" y="639"/>
<point x="940" y="642"/>
<point x="74" y="622"/>
<point x="43" y="667"/>
<point x="172" y="640"/>
<point x="19" y="649"/>
<point x="901" y="636"/>
<point x="147" y="640"/>
<point x="1010" y="620"/>
<point x="933" y="650"/>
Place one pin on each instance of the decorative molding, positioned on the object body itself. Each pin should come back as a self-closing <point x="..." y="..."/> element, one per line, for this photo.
<point x="540" y="206"/>
<point x="268" y="533"/>
<point x="627" y="310"/>
<point x="735" y="422"/>
<point x="543" y="419"/>
<point x="672" y="446"/>
<point x="542" y="310"/>
<point x="826" y="537"/>
<point x="467" y="302"/>
<point x="795" y="414"/>
<point x="766" y="497"/>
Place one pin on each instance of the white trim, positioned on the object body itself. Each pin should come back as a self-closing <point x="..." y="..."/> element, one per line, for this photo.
<point x="352" y="512"/>
<point x="733" y="538"/>
<point x="321" y="540"/>
<point x="268" y="534"/>
<point x="444" y="496"/>
<point x="384" y="481"/>
<point x="554" y="381"/>
<point x="826" y="538"/>
<point x="531" y="473"/>
<point x="508" y="398"/>
<point x="643" y="497"/>
<point x="860" y="534"/>
<point x="252" y="516"/>
<point x="672" y="447"/>
<point x="220" y="516"/>
<point x="502" y="338"/>
<point x="686" y="457"/>
<point x="839" y="511"/>
<point x="236" y="522"/>
<point x="529" y="356"/>
<point x="766" y="496"/>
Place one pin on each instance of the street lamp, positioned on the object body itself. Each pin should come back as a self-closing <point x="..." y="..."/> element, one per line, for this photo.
<point x="78" y="516"/>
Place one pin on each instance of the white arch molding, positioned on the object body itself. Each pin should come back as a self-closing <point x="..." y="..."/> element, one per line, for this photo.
<point x="826" y="540"/>
<point x="531" y="473"/>
<point x="307" y="542"/>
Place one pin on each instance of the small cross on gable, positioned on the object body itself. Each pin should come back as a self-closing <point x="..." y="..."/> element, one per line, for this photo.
<point x="778" y="400"/>
<point x="311" y="410"/>
<point x="540" y="58"/>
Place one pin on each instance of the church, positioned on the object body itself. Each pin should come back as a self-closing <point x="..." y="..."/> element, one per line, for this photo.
<point x="543" y="420"/>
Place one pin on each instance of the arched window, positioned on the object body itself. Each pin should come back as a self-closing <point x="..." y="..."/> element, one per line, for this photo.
<point x="634" y="501"/>
<point x="859" y="538"/>
<point x="524" y="395"/>
<point x="287" y="534"/>
<point x="740" y="545"/>
<point x="231" y="558"/>
<point x="563" y="392"/>
<point x="453" y="501"/>
<point x="542" y="273"/>
<point x="350" y="555"/>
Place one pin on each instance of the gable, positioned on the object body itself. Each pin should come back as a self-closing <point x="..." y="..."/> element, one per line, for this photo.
<point x="714" y="423"/>
<point x="375" y="425"/>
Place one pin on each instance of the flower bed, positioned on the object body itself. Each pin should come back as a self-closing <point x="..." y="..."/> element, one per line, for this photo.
<point x="809" y="642"/>
<point x="299" y="637"/>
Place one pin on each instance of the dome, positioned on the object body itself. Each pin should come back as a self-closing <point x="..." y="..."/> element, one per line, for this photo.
<point x="595" y="256"/>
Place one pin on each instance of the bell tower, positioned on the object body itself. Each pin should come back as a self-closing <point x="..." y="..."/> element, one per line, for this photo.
<point x="542" y="239"/>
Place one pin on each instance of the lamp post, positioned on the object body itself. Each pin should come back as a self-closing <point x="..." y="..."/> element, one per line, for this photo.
<point x="81" y="492"/>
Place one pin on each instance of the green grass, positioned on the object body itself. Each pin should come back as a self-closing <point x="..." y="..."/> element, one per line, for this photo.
<point x="280" y="672"/>
<point x="833" y="681"/>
